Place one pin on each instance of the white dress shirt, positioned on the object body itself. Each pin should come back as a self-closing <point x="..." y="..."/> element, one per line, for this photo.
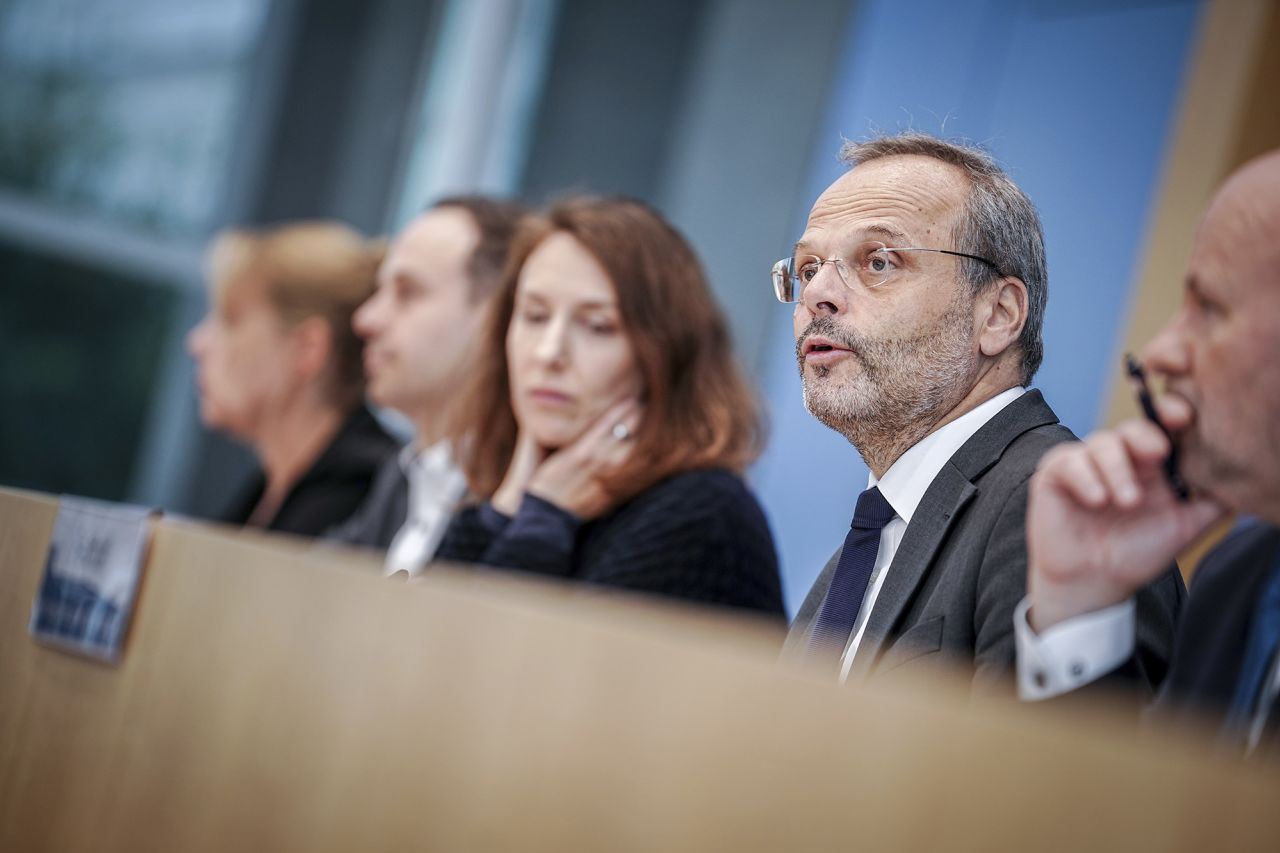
<point x="1072" y="653"/>
<point x="904" y="485"/>
<point x="1084" y="648"/>
<point x="435" y="487"/>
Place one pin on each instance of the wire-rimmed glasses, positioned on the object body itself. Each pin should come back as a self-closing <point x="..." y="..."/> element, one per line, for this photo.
<point x="870" y="265"/>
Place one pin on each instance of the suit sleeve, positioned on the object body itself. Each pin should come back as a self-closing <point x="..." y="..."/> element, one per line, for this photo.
<point x="798" y="635"/>
<point x="539" y="538"/>
<point x="695" y="537"/>
<point x="1002" y="586"/>
<point x="1002" y="583"/>
<point x="471" y="533"/>
<point x="699" y="538"/>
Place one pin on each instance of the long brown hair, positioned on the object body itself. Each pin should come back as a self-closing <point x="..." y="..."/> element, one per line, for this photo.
<point x="699" y="411"/>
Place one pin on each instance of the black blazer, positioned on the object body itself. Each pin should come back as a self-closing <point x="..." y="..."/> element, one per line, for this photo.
<point x="332" y="488"/>
<point x="1210" y="645"/>
<point x="961" y="568"/>
<point x="383" y="512"/>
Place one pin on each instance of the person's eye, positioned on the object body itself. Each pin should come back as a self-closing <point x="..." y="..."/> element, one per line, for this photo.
<point x="406" y="292"/>
<point x="602" y="327"/>
<point x="880" y="261"/>
<point x="1204" y="307"/>
<point x="808" y="271"/>
<point x="532" y="315"/>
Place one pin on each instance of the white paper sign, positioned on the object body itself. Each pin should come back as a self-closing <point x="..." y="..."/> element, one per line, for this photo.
<point x="91" y="577"/>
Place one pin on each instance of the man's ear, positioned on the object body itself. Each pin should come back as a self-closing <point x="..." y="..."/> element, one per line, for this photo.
<point x="1002" y="313"/>
<point x="312" y="347"/>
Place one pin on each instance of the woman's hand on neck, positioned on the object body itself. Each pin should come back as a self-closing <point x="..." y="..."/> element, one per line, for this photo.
<point x="525" y="461"/>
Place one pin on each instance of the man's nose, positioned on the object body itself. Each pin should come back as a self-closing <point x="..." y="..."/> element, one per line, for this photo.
<point x="826" y="293"/>
<point x="367" y="320"/>
<point x="1169" y="353"/>
<point x="196" y="337"/>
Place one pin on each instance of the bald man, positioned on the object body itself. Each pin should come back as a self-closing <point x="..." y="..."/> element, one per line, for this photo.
<point x="1103" y="519"/>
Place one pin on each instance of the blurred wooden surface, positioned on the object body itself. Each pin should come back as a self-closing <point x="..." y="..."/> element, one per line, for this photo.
<point x="282" y="698"/>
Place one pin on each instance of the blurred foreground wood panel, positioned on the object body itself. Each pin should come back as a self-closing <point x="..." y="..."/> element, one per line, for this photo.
<point x="282" y="698"/>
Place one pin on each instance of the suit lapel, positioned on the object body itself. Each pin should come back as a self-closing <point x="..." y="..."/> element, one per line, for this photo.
<point x="802" y="627"/>
<point x="953" y="488"/>
<point x="947" y="495"/>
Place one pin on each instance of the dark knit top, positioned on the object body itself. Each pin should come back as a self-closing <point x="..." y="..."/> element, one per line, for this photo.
<point x="698" y="536"/>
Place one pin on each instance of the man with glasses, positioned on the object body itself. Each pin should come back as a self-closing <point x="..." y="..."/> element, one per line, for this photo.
<point x="920" y="289"/>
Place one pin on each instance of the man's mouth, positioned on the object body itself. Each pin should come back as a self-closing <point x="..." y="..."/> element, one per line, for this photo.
<point x="1187" y="399"/>
<point x="820" y="349"/>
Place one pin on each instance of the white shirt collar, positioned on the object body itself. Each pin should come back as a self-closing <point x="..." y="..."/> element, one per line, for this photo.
<point x="906" y="481"/>
<point x="434" y="479"/>
<point x="437" y="457"/>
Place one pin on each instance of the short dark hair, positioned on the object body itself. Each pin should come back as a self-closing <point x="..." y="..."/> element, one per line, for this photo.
<point x="1000" y="224"/>
<point x="497" y="221"/>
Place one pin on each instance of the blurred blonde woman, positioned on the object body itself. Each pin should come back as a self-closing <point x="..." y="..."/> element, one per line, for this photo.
<point x="278" y="367"/>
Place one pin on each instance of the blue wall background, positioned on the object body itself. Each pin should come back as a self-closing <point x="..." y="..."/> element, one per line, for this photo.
<point x="1076" y="100"/>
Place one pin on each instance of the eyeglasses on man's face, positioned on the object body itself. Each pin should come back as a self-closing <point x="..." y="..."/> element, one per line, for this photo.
<point x="870" y="265"/>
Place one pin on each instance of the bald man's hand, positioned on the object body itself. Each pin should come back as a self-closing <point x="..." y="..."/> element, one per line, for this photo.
<point x="1102" y="521"/>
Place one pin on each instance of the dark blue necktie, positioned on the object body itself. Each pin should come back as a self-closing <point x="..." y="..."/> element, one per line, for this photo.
<point x="1264" y="640"/>
<point x="849" y="583"/>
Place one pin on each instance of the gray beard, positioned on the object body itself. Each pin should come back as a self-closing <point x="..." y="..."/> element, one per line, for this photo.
<point x="905" y="387"/>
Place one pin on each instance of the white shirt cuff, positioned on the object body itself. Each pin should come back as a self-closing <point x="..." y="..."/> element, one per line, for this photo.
<point x="1073" y="653"/>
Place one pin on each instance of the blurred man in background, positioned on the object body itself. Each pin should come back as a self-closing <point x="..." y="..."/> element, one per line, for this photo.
<point x="419" y="327"/>
<point x="1104" y="517"/>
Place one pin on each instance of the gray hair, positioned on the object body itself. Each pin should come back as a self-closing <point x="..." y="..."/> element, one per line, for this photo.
<point x="1000" y="224"/>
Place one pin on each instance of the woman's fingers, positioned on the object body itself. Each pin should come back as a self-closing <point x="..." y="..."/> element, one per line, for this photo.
<point x="618" y="423"/>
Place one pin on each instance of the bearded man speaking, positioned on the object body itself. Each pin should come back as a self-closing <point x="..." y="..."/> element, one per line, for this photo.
<point x="920" y="290"/>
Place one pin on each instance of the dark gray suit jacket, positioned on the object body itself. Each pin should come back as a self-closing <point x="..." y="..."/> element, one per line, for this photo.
<point x="381" y="515"/>
<point x="1214" y="634"/>
<point x="961" y="568"/>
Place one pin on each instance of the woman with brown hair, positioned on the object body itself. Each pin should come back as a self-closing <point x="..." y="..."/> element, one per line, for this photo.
<point x="278" y="367"/>
<point x="607" y="426"/>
